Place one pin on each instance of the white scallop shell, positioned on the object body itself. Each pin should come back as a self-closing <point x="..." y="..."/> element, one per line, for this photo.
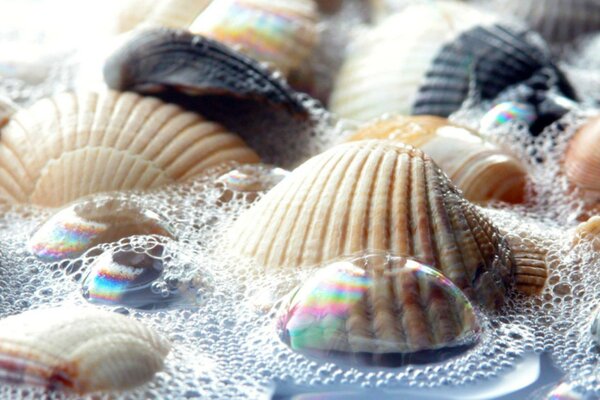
<point x="79" y="349"/>
<point x="75" y="144"/>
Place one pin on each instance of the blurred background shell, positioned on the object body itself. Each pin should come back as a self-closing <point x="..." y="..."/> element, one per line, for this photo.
<point x="79" y="350"/>
<point x="170" y="13"/>
<point x="75" y="144"/>
<point x="582" y="159"/>
<point x="482" y="170"/>
<point x="377" y="304"/>
<point x="386" y="65"/>
<point x="377" y="195"/>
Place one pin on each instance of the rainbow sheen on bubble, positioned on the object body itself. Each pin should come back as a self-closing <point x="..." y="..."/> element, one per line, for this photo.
<point x="506" y="112"/>
<point x="565" y="391"/>
<point x="377" y="304"/>
<point x="85" y="224"/>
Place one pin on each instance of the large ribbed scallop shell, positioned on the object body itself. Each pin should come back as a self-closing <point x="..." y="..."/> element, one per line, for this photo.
<point x="386" y="65"/>
<point x="376" y="195"/>
<point x="486" y="60"/>
<point x="582" y="159"/>
<point x="482" y="170"/>
<point x="78" y="350"/>
<point x="71" y="145"/>
<point x="282" y="33"/>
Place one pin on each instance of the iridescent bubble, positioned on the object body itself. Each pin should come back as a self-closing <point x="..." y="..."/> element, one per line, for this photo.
<point x="137" y="277"/>
<point x="378" y="305"/>
<point x="92" y="221"/>
<point x="249" y="180"/>
<point x="565" y="391"/>
<point x="508" y="111"/>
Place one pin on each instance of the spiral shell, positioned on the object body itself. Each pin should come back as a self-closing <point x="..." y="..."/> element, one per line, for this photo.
<point x="480" y="169"/>
<point x="582" y="161"/>
<point x="75" y="144"/>
<point x="78" y="350"/>
<point x="377" y="304"/>
<point x="386" y="66"/>
<point x="376" y="195"/>
<point x="282" y="33"/>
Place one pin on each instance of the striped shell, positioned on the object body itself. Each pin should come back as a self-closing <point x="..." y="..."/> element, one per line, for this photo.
<point x="75" y="144"/>
<point x="376" y="195"/>
<point x="582" y="160"/>
<point x="484" y="61"/>
<point x="386" y="65"/>
<point x="558" y="21"/>
<point x="377" y="304"/>
<point x="282" y="33"/>
<point x="482" y="170"/>
<point x="170" y="13"/>
<point x="588" y="231"/>
<point x="78" y="350"/>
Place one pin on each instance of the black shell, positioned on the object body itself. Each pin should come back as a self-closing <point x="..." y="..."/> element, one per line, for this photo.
<point x="214" y="80"/>
<point x="484" y="61"/>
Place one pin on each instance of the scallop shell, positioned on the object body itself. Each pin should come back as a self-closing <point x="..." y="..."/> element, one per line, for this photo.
<point x="582" y="161"/>
<point x="221" y="84"/>
<point x="484" y="60"/>
<point x="377" y="304"/>
<point x="588" y="231"/>
<point x="75" y="144"/>
<point x="78" y="350"/>
<point x="558" y="21"/>
<point x="482" y="170"/>
<point x="376" y="195"/>
<point x="282" y="33"/>
<point x="386" y="65"/>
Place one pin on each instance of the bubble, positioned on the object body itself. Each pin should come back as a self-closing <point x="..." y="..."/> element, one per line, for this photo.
<point x="506" y="112"/>
<point x="249" y="180"/>
<point x="92" y="221"/>
<point x="378" y="305"/>
<point x="565" y="391"/>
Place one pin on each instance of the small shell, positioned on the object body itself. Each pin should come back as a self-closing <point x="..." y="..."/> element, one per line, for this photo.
<point x="588" y="231"/>
<point x="480" y="169"/>
<point x="72" y="145"/>
<point x="282" y="33"/>
<point x="484" y="60"/>
<point x="377" y="304"/>
<point x="386" y="65"/>
<point x="102" y="219"/>
<point x="582" y="159"/>
<point x="376" y="195"/>
<point x="78" y="350"/>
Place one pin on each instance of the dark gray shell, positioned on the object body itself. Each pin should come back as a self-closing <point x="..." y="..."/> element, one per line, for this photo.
<point x="212" y="79"/>
<point x="484" y="61"/>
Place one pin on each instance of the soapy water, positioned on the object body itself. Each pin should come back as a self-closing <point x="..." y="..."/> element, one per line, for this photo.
<point x="220" y="312"/>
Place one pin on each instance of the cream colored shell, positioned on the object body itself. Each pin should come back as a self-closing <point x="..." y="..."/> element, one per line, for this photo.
<point x="582" y="159"/>
<point x="79" y="349"/>
<point x="482" y="170"/>
<point x="75" y="144"/>
<point x="169" y="13"/>
<point x="376" y="195"/>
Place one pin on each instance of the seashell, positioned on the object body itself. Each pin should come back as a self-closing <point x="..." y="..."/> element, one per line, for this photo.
<point x="92" y="221"/>
<point x="282" y="33"/>
<point x="50" y="153"/>
<point x="482" y="170"/>
<point x="558" y="21"/>
<point x="588" y="231"/>
<point x="377" y="304"/>
<point x="170" y="13"/>
<point x="78" y="350"/>
<point x="210" y="78"/>
<point x="582" y="161"/>
<point x="377" y="195"/>
<point x="484" y="60"/>
<point x="7" y="109"/>
<point x="385" y="66"/>
<point x="248" y="181"/>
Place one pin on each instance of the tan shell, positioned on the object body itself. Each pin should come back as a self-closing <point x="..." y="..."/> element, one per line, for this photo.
<point x="79" y="350"/>
<point x="582" y="159"/>
<point x="588" y="231"/>
<point x="282" y="33"/>
<point x="72" y="145"/>
<point x="376" y="195"/>
<point x="169" y="13"/>
<point x="482" y="170"/>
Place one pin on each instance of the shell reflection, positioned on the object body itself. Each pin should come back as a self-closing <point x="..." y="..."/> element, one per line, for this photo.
<point x="376" y="305"/>
<point x="85" y="224"/>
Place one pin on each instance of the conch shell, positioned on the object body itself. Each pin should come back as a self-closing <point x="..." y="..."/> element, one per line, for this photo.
<point x="482" y="170"/>
<point x="75" y="144"/>
<point x="377" y="195"/>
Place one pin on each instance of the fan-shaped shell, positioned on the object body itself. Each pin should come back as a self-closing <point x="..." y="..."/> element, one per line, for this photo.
<point x="482" y="170"/>
<point x="582" y="159"/>
<point x="386" y="65"/>
<point x="377" y="304"/>
<point x="376" y="195"/>
<point x="71" y="145"/>
<point x="486" y="60"/>
<point x="79" y="350"/>
<point x="282" y="33"/>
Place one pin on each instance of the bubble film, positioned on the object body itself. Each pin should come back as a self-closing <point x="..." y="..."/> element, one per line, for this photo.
<point x="508" y="112"/>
